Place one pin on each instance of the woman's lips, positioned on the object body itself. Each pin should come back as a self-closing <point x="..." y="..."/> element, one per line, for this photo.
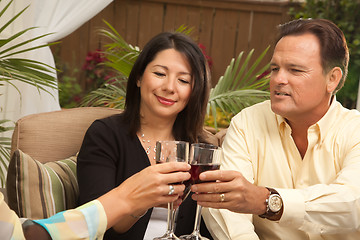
<point x="166" y="101"/>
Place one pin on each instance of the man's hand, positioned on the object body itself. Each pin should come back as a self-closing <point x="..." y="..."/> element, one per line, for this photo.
<point x="230" y="191"/>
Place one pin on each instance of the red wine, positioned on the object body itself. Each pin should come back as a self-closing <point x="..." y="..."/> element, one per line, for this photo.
<point x="196" y="169"/>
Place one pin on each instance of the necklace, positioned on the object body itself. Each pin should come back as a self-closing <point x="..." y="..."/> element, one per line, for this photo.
<point x="147" y="148"/>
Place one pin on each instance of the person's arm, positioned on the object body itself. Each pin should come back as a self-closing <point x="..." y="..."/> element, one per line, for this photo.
<point x="144" y="190"/>
<point x="133" y="197"/>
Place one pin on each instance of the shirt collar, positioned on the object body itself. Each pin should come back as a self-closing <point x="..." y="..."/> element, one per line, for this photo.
<point x="324" y="124"/>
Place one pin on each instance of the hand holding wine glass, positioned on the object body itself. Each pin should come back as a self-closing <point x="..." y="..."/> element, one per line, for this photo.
<point x="203" y="157"/>
<point x="171" y="151"/>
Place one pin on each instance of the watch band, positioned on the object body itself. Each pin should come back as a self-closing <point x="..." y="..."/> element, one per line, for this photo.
<point x="275" y="216"/>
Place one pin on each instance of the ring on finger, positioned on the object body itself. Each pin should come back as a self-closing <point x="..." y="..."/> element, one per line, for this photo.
<point x="222" y="197"/>
<point x="171" y="190"/>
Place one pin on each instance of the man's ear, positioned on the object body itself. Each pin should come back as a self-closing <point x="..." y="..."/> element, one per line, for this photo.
<point x="334" y="76"/>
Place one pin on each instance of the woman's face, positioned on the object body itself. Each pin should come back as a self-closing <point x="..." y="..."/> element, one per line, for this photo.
<point x="166" y="85"/>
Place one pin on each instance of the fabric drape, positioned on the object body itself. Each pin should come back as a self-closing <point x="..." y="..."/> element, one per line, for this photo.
<point x="60" y="17"/>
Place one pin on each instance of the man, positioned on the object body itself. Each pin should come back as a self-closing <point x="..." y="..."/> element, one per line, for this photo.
<point x="291" y="165"/>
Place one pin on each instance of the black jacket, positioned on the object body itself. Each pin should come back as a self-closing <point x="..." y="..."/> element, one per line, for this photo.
<point x="108" y="156"/>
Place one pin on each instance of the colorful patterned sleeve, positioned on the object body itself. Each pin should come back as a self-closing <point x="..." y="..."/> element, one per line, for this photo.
<point x="85" y="222"/>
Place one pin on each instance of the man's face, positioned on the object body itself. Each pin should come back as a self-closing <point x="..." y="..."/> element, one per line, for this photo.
<point x="298" y="85"/>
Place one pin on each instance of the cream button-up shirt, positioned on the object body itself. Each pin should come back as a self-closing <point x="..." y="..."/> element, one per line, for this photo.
<point x="321" y="192"/>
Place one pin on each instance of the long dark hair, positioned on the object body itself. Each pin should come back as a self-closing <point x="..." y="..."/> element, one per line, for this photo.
<point x="189" y="122"/>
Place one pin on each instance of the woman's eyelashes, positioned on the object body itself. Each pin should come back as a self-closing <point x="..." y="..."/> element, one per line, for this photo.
<point x="160" y="74"/>
<point x="186" y="81"/>
<point x="182" y="80"/>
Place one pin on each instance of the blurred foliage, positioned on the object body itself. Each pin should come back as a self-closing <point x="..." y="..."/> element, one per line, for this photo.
<point x="222" y="119"/>
<point x="241" y="86"/>
<point x="5" y="147"/>
<point x="70" y="91"/>
<point x="111" y="94"/>
<point x="96" y="71"/>
<point x="346" y="14"/>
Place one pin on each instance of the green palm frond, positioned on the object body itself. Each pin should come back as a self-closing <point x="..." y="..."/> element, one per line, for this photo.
<point x="120" y="55"/>
<point x="111" y="94"/>
<point x="240" y="86"/>
<point x="31" y="72"/>
<point x="185" y="30"/>
<point x="5" y="146"/>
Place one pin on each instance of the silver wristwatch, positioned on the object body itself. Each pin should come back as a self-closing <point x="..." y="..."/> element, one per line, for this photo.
<point x="274" y="206"/>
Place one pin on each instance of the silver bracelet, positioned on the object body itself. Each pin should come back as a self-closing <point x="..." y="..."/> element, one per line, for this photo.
<point x="140" y="216"/>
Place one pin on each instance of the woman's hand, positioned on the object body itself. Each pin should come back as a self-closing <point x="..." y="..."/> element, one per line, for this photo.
<point x="230" y="191"/>
<point x="143" y="190"/>
<point x="153" y="184"/>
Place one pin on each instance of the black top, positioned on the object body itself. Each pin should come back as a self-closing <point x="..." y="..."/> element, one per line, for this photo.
<point x="108" y="156"/>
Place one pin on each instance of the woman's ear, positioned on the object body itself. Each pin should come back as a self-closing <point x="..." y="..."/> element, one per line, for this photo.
<point x="138" y="82"/>
<point x="334" y="77"/>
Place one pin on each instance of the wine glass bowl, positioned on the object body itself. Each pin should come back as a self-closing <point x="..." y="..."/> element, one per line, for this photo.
<point x="203" y="157"/>
<point x="171" y="151"/>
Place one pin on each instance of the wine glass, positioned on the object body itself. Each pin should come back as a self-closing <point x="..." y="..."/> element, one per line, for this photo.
<point x="203" y="157"/>
<point x="171" y="151"/>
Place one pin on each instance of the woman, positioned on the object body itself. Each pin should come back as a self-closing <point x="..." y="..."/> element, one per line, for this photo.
<point x="166" y="99"/>
<point x="133" y="196"/>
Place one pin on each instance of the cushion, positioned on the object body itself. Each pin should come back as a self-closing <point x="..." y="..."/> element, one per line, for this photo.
<point x="56" y="135"/>
<point x="36" y="190"/>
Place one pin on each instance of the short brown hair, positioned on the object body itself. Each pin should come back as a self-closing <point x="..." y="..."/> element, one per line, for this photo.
<point x="333" y="48"/>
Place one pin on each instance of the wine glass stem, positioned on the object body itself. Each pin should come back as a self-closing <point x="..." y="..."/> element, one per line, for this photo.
<point x="197" y="219"/>
<point x="171" y="218"/>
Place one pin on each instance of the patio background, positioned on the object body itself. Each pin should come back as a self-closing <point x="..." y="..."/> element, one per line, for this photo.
<point x="224" y="27"/>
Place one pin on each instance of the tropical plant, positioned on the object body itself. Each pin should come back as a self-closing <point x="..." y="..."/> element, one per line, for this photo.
<point x="5" y="144"/>
<point x="241" y="85"/>
<point x="28" y="71"/>
<point x="70" y="91"/>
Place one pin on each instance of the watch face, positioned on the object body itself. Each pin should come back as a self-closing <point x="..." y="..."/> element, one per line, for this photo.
<point x="275" y="203"/>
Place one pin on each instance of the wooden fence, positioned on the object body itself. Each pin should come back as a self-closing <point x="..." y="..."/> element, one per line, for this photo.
<point x="224" y="27"/>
